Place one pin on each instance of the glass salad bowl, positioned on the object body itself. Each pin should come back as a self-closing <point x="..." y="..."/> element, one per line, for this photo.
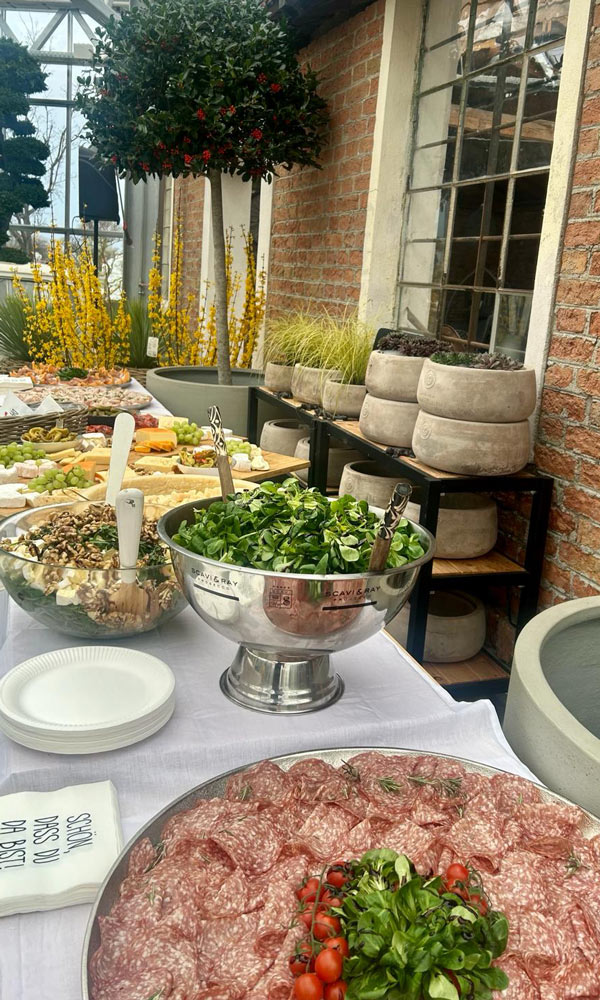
<point x="85" y="601"/>
<point x="287" y="624"/>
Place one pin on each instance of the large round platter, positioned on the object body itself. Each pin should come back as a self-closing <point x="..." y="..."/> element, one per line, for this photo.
<point x="214" y="788"/>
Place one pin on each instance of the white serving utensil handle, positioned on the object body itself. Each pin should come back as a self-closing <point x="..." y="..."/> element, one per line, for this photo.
<point x="119" y="454"/>
<point x="129" y="508"/>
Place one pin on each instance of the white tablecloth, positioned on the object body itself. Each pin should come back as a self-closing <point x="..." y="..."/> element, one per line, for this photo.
<point x="389" y="701"/>
<point x="155" y="408"/>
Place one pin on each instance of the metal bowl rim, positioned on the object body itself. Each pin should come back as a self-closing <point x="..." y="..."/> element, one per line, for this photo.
<point x="489" y="768"/>
<point x="328" y="578"/>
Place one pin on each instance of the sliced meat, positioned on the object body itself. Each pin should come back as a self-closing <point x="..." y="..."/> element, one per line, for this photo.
<point x="416" y="842"/>
<point x="142" y="855"/>
<point x="229" y="961"/>
<point x="477" y="840"/>
<point x="149" y="983"/>
<point x="510" y="792"/>
<point x="324" y="830"/>
<point x="264" y="782"/>
<point x="253" y="842"/>
<point x="544" y="819"/>
<point x="520" y="986"/>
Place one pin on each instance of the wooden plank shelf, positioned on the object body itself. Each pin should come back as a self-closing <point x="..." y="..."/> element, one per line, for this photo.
<point x="492" y="564"/>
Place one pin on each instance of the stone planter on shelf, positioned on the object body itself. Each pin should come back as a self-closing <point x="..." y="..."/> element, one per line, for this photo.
<point x="282" y="436"/>
<point x="188" y="391"/>
<point x="393" y="376"/>
<point x="278" y="378"/>
<point x="455" y="626"/>
<point x="308" y="383"/>
<point x="363" y="481"/>
<point x="387" y="421"/>
<point x="552" y="720"/>
<point x="342" y="399"/>
<point x="480" y="394"/>
<point x="469" y="448"/>
<point x="338" y="458"/>
<point x="467" y="525"/>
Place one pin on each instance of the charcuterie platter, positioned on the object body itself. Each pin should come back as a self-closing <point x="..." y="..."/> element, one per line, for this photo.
<point x="155" y="932"/>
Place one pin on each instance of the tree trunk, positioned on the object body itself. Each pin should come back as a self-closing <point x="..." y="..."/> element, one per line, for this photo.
<point x="216" y="198"/>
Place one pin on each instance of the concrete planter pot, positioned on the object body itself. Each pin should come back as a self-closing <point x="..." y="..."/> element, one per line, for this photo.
<point x="338" y="458"/>
<point x="552" y="719"/>
<point x="362" y="481"/>
<point x="278" y="378"/>
<point x="189" y="391"/>
<point x="308" y="383"/>
<point x="393" y="376"/>
<point x="388" y="421"/>
<point x="455" y="626"/>
<point x="467" y="525"/>
<point x="282" y="436"/>
<point x="342" y="399"/>
<point x="470" y="448"/>
<point x="476" y="393"/>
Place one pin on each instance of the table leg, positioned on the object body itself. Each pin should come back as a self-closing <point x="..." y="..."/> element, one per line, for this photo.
<point x="319" y="455"/>
<point x="534" y="552"/>
<point x="252" y="419"/>
<point x="419" y="599"/>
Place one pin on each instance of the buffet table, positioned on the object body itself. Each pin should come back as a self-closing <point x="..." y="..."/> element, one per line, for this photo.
<point x="389" y="701"/>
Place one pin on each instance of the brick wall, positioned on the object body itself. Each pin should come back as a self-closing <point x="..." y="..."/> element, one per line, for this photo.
<point x="568" y="445"/>
<point x="188" y="203"/>
<point x="319" y="215"/>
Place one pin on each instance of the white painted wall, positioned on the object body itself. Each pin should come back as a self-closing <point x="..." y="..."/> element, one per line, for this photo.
<point x="236" y="211"/>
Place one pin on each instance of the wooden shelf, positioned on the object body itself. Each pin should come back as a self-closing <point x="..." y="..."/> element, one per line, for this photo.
<point x="478" y="668"/>
<point x="494" y="563"/>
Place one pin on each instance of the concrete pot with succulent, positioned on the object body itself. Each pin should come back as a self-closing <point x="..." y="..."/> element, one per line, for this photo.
<point x="390" y="409"/>
<point x="474" y="413"/>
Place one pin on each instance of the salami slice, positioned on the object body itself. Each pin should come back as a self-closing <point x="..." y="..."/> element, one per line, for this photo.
<point x="416" y="842"/>
<point x="253" y="842"/>
<point x="141" y="857"/>
<point x="545" y="819"/>
<point x="229" y="960"/>
<point x="264" y="782"/>
<point x="510" y="791"/>
<point x="149" y="983"/>
<point x="520" y="986"/>
<point x="476" y="839"/>
<point x="324" y="830"/>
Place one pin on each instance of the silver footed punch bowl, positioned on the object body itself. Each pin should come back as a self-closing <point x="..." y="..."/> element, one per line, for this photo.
<point x="283" y="572"/>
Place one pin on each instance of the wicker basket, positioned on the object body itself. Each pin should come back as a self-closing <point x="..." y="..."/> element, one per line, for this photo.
<point x="73" y="417"/>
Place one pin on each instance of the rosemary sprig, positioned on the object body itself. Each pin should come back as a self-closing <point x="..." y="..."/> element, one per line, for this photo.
<point x="391" y="786"/>
<point x="151" y="896"/>
<point x="158" y="995"/>
<point x="350" y="772"/>
<point x="245" y="792"/>
<point x="160" y="849"/>
<point x="574" y="863"/>
<point x="450" y="787"/>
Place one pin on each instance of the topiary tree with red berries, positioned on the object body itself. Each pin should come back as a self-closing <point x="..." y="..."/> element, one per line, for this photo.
<point x="182" y="87"/>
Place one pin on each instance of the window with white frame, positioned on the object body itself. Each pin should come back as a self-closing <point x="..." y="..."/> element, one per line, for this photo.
<point x="486" y="108"/>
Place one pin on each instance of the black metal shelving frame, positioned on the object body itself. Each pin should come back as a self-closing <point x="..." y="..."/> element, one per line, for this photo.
<point x="431" y="484"/>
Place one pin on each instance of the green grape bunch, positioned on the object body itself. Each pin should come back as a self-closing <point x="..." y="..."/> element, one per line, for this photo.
<point x="188" y="433"/>
<point x="54" y="479"/>
<point x="14" y="452"/>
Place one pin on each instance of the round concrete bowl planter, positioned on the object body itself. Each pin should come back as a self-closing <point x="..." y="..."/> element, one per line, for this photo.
<point x="282" y="436"/>
<point x="482" y="394"/>
<point x="338" y="458"/>
<point x="342" y="399"/>
<point x="388" y="421"/>
<point x="470" y="448"/>
<point x="467" y="525"/>
<point x="552" y="718"/>
<point x="393" y="376"/>
<point x="308" y="383"/>
<point x="363" y="481"/>
<point x="455" y="626"/>
<point x="278" y="378"/>
<point x="189" y="391"/>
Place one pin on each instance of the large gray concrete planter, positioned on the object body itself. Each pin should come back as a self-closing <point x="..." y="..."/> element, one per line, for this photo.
<point x="476" y="393"/>
<point x="338" y="457"/>
<point x="341" y="399"/>
<point x="467" y="525"/>
<point x="470" y="448"/>
<point x="552" y="718"/>
<point x="455" y="626"/>
<point x="362" y="481"/>
<point x="387" y="421"/>
<point x="282" y="436"/>
<point x="393" y="376"/>
<point x="308" y="383"/>
<point x="278" y="378"/>
<point x="189" y="391"/>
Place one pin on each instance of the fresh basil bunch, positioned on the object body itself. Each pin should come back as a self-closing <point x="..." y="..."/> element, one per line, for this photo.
<point x="289" y="529"/>
<point x="408" y="942"/>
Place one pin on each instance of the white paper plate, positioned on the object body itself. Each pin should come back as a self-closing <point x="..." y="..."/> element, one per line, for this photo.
<point x="90" y="691"/>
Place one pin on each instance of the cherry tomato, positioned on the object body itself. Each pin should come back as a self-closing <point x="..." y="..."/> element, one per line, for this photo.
<point x="457" y="890"/>
<point x="476" y="899"/>
<point x="306" y="918"/>
<point x="328" y="899"/>
<point x="310" y="886"/>
<point x="336" y="991"/>
<point x="298" y="964"/>
<point x="328" y="965"/>
<point x="306" y="895"/>
<point x="326" y="926"/>
<point x="457" y="873"/>
<point x="338" y="944"/>
<point x="336" y="879"/>
<point x="308" y="987"/>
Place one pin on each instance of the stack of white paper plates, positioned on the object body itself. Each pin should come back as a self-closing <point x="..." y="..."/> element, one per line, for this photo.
<point x="86" y="699"/>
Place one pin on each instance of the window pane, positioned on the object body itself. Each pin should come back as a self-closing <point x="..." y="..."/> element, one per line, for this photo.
<point x="427" y="215"/>
<point x="433" y="165"/>
<point x="521" y="262"/>
<point x="437" y="115"/>
<point x="500" y="29"/>
<point x="443" y="22"/>
<point x="490" y="115"/>
<point x="423" y="262"/>
<point x="419" y="308"/>
<point x="550" y="21"/>
<point x="512" y="324"/>
<point x="457" y="314"/>
<point x="474" y="262"/>
<point x="539" y="113"/>
<point x="443" y="64"/>
<point x="528" y="204"/>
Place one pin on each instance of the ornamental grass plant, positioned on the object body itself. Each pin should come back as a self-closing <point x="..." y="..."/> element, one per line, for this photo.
<point x="321" y="341"/>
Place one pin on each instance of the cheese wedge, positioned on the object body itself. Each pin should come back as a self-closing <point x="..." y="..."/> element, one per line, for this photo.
<point x="166" y="420"/>
<point x="156" y="434"/>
